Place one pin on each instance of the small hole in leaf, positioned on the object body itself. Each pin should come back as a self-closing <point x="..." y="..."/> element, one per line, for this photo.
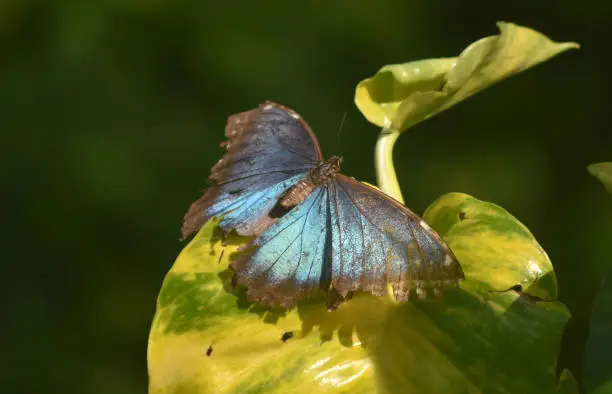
<point x="286" y="336"/>
<point x="462" y="215"/>
<point x="517" y="288"/>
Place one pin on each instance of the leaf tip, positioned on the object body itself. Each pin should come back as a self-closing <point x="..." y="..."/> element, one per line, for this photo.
<point x="593" y="169"/>
<point x="568" y="45"/>
<point x="505" y="27"/>
<point x="603" y="172"/>
<point x="567" y="383"/>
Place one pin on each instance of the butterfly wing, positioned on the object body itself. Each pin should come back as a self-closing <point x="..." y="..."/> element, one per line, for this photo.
<point x="377" y="241"/>
<point x="292" y="257"/>
<point x="269" y="149"/>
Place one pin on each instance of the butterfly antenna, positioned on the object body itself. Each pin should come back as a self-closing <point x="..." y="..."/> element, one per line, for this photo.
<point x="340" y="128"/>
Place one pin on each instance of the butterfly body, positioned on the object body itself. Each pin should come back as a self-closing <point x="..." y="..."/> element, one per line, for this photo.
<point x="316" y="177"/>
<point x="313" y="227"/>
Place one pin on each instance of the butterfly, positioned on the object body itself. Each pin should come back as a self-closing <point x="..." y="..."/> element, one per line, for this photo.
<point x="312" y="227"/>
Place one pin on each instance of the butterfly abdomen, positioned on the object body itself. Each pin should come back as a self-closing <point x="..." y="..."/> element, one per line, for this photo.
<point x="298" y="193"/>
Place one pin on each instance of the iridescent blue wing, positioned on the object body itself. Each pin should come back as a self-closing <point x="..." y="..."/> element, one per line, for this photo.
<point x="377" y="241"/>
<point x="292" y="257"/>
<point x="269" y="149"/>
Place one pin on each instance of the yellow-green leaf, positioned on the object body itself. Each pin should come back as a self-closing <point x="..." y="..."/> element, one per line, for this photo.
<point x="206" y="337"/>
<point x="603" y="172"/>
<point x="401" y="95"/>
<point x="506" y="251"/>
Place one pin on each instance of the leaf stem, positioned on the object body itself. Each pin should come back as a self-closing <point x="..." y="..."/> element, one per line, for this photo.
<point x="383" y="159"/>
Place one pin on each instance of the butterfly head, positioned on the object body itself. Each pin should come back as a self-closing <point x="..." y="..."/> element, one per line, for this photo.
<point x="334" y="163"/>
<point x="326" y="170"/>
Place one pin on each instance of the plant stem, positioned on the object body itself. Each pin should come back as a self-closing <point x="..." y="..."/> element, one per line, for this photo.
<point x="383" y="159"/>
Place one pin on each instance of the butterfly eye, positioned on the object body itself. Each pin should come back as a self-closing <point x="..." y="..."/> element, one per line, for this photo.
<point x="462" y="215"/>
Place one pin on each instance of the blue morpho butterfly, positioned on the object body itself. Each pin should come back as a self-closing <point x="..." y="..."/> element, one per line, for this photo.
<point x="314" y="227"/>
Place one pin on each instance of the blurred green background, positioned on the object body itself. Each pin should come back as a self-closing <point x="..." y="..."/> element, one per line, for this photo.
<point x="112" y="112"/>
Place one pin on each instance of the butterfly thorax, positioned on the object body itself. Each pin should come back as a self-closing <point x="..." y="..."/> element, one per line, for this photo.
<point x="316" y="177"/>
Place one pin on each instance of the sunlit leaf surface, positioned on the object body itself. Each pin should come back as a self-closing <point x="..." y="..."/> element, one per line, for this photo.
<point x="206" y="337"/>
<point x="401" y="95"/>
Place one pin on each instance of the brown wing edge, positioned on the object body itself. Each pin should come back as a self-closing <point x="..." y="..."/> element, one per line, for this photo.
<point x="195" y="218"/>
<point x="237" y="125"/>
<point x="285" y="294"/>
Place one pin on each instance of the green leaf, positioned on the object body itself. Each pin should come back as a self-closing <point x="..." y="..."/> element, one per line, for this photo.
<point x="603" y="172"/>
<point x="598" y="362"/>
<point x="401" y="95"/>
<point x="472" y="341"/>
